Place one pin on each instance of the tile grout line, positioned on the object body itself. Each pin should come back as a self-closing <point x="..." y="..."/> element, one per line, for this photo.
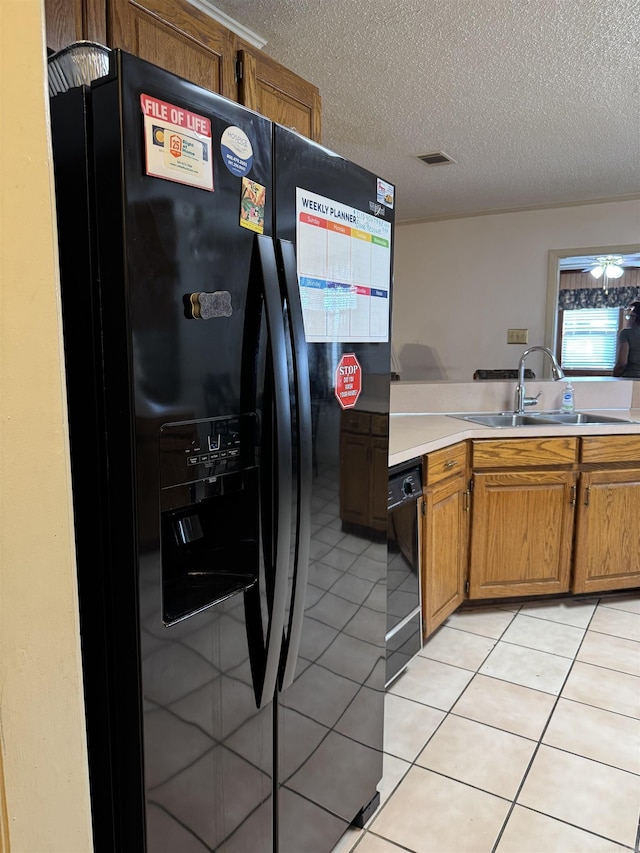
<point x="542" y="734"/>
<point x="581" y="828"/>
<point x="411" y="764"/>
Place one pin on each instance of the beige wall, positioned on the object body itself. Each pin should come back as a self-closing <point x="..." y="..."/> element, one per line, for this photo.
<point x="41" y="710"/>
<point x="460" y="283"/>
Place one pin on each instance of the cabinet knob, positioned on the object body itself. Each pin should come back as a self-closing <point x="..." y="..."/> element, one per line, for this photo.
<point x="450" y="463"/>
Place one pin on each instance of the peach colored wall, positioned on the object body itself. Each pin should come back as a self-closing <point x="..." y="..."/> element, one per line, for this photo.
<point x="41" y="712"/>
<point x="459" y="284"/>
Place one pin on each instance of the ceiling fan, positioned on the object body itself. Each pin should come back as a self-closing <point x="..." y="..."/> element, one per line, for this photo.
<point x="611" y="266"/>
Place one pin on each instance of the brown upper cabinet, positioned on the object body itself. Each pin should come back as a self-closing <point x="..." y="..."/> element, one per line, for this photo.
<point x="273" y="91"/>
<point x="72" y="20"/>
<point x="175" y="35"/>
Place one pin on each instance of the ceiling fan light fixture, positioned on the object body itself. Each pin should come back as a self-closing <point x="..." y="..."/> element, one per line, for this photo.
<point x="610" y="266"/>
<point x="613" y="271"/>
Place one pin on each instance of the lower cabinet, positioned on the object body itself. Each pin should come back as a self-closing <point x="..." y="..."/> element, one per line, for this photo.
<point x="607" y="552"/>
<point x="523" y="503"/>
<point x="444" y="534"/>
<point x="607" y="544"/>
<point x="444" y="550"/>
<point x="547" y="516"/>
<point x="522" y="525"/>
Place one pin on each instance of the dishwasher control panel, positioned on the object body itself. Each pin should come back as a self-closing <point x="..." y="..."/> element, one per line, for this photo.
<point x="405" y="484"/>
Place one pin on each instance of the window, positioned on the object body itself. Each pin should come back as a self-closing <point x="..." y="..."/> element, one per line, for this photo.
<point x="588" y="339"/>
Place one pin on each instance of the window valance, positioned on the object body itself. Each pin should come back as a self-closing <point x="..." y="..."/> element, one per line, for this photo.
<point x="582" y="290"/>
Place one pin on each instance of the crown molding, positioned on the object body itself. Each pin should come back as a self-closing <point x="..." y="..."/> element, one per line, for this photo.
<point x="230" y="23"/>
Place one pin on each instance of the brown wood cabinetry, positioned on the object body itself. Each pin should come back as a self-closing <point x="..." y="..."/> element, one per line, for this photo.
<point x="444" y="534"/>
<point x="521" y="533"/>
<point x="609" y="449"/>
<point x="175" y="35"/>
<point x="523" y="452"/>
<point x="522" y="517"/>
<point x="607" y="542"/>
<point x="273" y="91"/>
<point x="364" y="464"/>
<point x="548" y="515"/>
<point x="73" y="20"/>
<point x="178" y="37"/>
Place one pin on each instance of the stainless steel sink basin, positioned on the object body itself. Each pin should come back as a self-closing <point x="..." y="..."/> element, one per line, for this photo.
<point x="571" y="418"/>
<point x="509" y="419"/>
<point x="501" y="420"/>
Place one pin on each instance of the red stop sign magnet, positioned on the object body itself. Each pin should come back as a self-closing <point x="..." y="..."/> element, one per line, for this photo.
<point x="348" y="384"/>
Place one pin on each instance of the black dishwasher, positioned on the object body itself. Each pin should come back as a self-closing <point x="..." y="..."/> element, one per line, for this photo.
<point x="404" y="618"/>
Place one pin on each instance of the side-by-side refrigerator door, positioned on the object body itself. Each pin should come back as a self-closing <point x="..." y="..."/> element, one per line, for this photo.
<point x="199" y="431"/>
<point x="335" y="241"/>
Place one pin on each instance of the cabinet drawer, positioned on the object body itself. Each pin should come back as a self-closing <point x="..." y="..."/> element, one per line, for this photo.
<point x="610" y="448"/>
<point x="443" y="463"/>
<point x="519" y="452"/>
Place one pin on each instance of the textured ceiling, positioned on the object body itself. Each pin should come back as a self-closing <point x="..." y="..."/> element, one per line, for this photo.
<point x="537" y="101"/>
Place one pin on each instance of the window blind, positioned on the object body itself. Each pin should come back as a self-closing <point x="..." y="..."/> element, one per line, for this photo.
<point x="589" y="338"/>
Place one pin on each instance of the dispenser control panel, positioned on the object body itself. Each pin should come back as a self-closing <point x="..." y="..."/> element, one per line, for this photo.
<point x="196" y="450"/>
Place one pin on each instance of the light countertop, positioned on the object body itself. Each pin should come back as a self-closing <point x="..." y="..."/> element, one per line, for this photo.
<point x="411" y="435"/>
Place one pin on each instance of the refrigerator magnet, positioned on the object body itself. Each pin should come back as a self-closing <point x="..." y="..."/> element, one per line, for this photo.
<point x="236" y="150"/>
<point x="177" y="144"/>
<point x="348" y="380"/>
<point x="252" y="206"/>
<point x="385" y="193"/>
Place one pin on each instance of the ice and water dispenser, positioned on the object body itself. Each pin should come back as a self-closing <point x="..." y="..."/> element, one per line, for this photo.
<point x="210" y="512"/>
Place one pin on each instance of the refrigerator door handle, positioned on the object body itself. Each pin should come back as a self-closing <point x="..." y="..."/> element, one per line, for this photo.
<point x="291" y="293"/>
<point x="282" y="535"/>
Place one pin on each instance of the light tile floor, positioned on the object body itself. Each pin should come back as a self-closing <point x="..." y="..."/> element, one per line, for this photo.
<point x="515" y="730"/>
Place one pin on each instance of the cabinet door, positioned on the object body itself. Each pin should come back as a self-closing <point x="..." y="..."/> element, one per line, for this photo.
<point x="521" y="533"/>
<point x="607" y="546"/>
<point x="444" y="551"/>
<point x="175" y="35"/>
<point x="67" y="22"/>
<point x="277" y="93"/>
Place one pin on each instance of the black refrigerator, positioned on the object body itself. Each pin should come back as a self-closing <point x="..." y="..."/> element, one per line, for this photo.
<point x="226" y="290"/>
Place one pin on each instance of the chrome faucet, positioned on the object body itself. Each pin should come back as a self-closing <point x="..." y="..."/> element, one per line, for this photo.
<point x="521" y="400"/>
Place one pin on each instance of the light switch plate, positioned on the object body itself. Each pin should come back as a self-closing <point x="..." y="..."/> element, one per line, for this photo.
<point x="517" y="336"/>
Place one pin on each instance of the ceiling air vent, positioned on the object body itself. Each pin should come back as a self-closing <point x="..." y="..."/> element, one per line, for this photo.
<point x="437" y="159"/>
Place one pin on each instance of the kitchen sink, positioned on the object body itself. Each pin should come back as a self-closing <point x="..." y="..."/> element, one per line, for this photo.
<point x="501" y="420"/>
<point x="510" y="419"/>
<point x="571" y="418"/>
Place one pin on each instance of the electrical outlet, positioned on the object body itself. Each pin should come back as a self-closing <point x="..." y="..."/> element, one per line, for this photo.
<point x="517" y="336"/>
